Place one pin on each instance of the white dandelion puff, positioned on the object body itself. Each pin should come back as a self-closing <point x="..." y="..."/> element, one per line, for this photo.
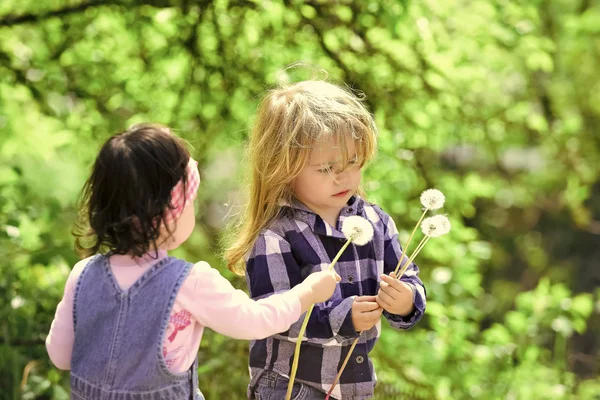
<point x="428" y="226"/>
<point x="435" y="226"/>
<point x="432" y="199"/>
<point x="443" y="224"/>
<point x="357" y="229"/>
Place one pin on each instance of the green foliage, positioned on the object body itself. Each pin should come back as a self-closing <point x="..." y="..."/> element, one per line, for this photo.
<point x="497" y="104"/>
<point x="522" y="356"/>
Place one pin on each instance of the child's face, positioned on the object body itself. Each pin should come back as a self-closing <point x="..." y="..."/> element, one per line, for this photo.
<point x="321" y="185"/>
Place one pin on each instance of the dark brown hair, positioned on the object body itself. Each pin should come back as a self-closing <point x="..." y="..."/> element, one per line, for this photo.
<point x="122" y="205"/>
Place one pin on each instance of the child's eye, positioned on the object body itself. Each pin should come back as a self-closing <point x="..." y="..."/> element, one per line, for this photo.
<point x="354" y="161"/>
<point x="325" y="170"/>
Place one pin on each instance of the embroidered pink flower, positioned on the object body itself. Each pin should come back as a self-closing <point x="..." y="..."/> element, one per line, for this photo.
<point x="171" y="356"/>
<point x="180" y="321"/>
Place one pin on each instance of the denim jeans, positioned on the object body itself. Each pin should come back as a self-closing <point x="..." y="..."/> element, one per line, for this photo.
<point x="272" y="386"/>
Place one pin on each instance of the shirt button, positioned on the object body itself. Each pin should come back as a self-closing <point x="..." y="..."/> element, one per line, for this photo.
<point x="350" y="279"/>
<point x="360" y="359"/>
<point x="342" y="240"/>
<point x="350" y="210"/>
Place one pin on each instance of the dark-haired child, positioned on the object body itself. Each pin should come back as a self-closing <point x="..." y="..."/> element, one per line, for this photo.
<point x="131" y="318"/>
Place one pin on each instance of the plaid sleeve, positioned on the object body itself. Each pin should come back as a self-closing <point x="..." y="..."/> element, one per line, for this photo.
<point x="272" y="268"/>
<point x="392" y="253"/>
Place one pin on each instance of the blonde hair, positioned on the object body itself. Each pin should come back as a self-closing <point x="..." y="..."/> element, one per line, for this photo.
<point x="289" y="120"/>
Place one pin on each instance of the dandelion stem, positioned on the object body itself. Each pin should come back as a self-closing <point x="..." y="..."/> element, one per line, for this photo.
<point x="288" y="395"/>
<point x="402" y="256"/>
<point x="337" y="378"/>
<point x="414" y="230"/>
<point x="405" y="250"/>
<point x="414" y="255"/>
<point x="339" y="254"/>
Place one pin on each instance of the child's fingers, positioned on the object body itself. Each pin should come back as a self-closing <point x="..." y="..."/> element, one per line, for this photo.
<point x="366" y="320"/>
<point x="365" y="306"/>
<point x="390" y="291"/>
<point x="360" y="299"/>
<point x="371" y="317"/>
<point x="373" y="313"/>
<point x="384" y="305"/>
<point x="395" y="283"/>
<point x="337" y="276"/>
<point x="386" y="298"/>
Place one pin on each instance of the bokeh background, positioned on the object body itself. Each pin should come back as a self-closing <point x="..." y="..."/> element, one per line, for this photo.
<point x="494" y="102"/>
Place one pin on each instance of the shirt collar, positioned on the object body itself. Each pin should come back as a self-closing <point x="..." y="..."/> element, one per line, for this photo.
<point x="300" y="212"/>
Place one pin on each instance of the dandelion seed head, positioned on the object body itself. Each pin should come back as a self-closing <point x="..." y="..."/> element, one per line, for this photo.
<point x="432" y="199"/>
<point x="443" y="224"/>
<point x="428" y="226"/>
<point x="435" y="226"/>
<point x="357" y="229"/>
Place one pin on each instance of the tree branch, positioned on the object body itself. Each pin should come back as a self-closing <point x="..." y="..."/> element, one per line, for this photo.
<point x="350" y="75"/>
<point x="10" y="20"/>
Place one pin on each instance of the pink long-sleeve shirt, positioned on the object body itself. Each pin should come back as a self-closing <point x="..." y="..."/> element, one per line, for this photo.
<point x="205" y="299"/>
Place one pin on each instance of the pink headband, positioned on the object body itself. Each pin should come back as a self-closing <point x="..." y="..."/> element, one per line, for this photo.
<point x="179" y="198"/>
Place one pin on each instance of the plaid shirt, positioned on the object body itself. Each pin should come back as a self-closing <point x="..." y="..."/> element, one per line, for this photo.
<point x="298" y="243"/>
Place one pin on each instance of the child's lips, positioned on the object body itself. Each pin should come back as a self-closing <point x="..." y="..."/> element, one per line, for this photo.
<point x="341" y="194"/>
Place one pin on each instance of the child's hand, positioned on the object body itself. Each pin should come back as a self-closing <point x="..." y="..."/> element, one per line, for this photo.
<point x="322" y="284"/>
<point x="365" y="313"/>
<point x="394" y="296"/>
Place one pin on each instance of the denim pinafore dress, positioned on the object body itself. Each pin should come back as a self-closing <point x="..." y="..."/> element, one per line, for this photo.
<point x="119" y="334"/>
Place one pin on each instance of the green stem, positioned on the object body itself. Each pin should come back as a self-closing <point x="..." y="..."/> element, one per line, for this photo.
<point x="408" y="262"/>
<point x="405" y="250"/>
<point x="414" y="255"/>
<point x="415" y="229"/>
<point x="339" y="254"/>
<point x="288" y="395"/>
<point x="402" y="256"/>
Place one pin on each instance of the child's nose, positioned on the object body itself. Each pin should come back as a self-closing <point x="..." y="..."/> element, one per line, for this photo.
<point x="341" y="177"/>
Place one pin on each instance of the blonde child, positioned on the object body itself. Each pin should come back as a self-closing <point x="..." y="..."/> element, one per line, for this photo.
<point x="308" y="146"/>
<point x="131" y="319"/>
